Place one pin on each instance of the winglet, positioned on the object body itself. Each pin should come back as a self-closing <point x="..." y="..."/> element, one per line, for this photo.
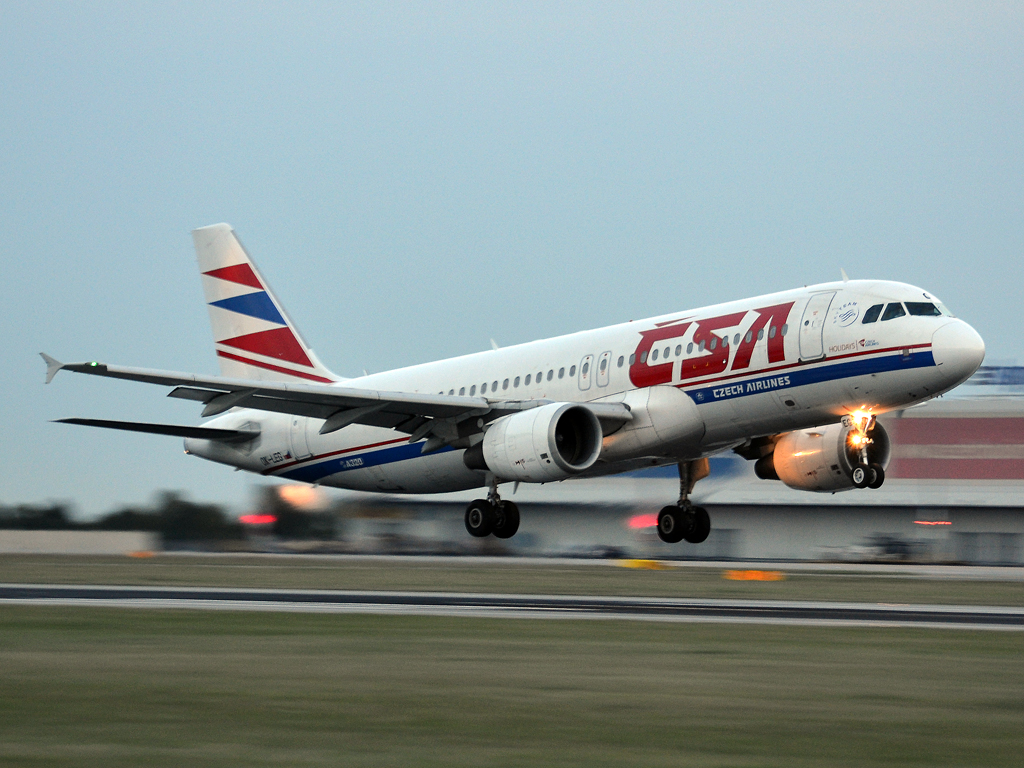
<point x="846" y="277"/>
<point x="52" y="366"/>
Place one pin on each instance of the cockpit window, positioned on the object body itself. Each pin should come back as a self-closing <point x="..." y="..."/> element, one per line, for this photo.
<point x="893" y="310"/>
<point x="872" y="314"/>
<point x="923" y="309"/>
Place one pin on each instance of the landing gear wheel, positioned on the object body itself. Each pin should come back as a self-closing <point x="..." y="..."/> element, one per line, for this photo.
<point x="480" y="518"/>
<point x="879" y="476"/>
<point x="862" y="476"/>
<point x="506" y="520"/>
<point x="672" y="524"/>
<point x="701" y="526"/>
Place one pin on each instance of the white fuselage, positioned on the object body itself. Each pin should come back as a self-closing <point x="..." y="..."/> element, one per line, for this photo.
<point x="697" y="382"/>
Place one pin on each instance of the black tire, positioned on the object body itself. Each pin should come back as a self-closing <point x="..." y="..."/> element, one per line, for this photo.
<point x="879" y="476"/>
<point x="506" y="521"/>
<point x="480" y="518"/>
<point x="671" y="525"/>
<point x="862" y="476"/>
<point x="701" y="526"/>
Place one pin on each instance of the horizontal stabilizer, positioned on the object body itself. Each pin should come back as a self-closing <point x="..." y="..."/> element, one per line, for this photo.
<point x="53" y="365"/>
<point x="203" y="433"/>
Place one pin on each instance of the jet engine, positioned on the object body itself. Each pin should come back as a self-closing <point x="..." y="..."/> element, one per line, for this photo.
<point x="552" y="442"/>
<point x="825" y="459"/>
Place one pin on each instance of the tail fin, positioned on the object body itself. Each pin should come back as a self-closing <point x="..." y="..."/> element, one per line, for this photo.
<point x="253" y="335"/>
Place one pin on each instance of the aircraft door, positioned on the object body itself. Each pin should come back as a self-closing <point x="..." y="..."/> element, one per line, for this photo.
<point x="604" y="368"/>
<point x="812" y="326"/>
<point x="586" y="372"/>
<point x="299" y="443"/>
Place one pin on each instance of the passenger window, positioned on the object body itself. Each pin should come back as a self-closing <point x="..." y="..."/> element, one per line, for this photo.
<point x="923" y="309"/>
<point x="516" y="383"/>
<point x="872" y="314"/>
<point x="643" y="357"/>
<point x="700" y="347"/>
<point x="494" y="387"/>
<point x="540" y="376"/>
<point x="689" y="348"/>
<point x="760" y="334"/>
<point x="771" y="333"/>
<point x="785" y="329"/>
<point x="654" y="355"/>
<point x="748" y="337"/>
<point x="666" y="352"/>
<point x="604" y="365"/>
<point x="561" y="373"/>
<point x="572" y="370"/>
<point x="551" y="374"/>
<point x="725" y="341"/>
<point x="472" y="390"/>
<point x="632" y="359"/>
<point x="462" y="391"/>
<point x="714" y="342"/>
<point x="892" y="311"/>
<point x="504" y="384"/>
<point x="451" y="391"/>
<point x="736" y="339"/>
<point x="483" y="388"/>
<point x="620" y="361"/>
<point x="586" y="367"/>
<point x="528" y="376"/>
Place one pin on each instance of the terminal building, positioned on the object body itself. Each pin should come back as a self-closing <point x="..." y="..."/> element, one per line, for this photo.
<point x="954" y="492"/>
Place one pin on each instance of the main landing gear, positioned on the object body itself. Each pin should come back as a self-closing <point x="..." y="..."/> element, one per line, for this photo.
<point x="683" y="520"/>
<point x="492" y="515"/>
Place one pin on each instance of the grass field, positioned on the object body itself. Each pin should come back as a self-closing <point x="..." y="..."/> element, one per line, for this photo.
<point x="510" y="576"/>
<point x="103" y="687"/>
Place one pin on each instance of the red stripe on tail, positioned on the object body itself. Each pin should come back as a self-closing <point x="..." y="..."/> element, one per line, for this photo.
<point x="275" y="368"/>
<point x="238" y="273"/>
<point x="277" y="342"/>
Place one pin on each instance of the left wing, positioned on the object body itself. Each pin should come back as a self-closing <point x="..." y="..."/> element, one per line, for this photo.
<point x="443" y="418"/>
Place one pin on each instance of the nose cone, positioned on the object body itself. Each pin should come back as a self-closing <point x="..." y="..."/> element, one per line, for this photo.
<point x="958" y="351"/>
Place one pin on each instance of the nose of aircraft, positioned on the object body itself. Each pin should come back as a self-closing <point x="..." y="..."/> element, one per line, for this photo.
<point x="958" y="351"/>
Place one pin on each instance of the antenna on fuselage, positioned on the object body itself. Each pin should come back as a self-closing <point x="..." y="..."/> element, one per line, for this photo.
<point x="846" y="277"/>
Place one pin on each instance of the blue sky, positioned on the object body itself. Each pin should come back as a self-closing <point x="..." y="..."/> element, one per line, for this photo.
<point x="415" y="179"/>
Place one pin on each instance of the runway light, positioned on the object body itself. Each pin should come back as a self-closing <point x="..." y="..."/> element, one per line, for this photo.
<point x="933" y="522"/>
<point x="258" y="519"/>
<point x="643" y="521"/>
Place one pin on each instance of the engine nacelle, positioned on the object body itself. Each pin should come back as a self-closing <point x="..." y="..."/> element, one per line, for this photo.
<point x="821" y="459"/>
<point x="552" y="442"/>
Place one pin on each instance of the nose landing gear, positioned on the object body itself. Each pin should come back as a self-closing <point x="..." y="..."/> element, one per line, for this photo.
<point x="683" y="520"/>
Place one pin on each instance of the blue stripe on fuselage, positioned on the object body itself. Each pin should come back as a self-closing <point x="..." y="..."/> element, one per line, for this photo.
<point x="799" y="377"/>
<point x="311" y="473"/>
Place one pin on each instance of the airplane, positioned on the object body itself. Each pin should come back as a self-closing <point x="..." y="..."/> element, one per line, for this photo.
<point x="791" y="381"/>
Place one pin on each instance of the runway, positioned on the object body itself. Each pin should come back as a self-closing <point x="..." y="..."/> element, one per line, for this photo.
<point x="519" y="606"/>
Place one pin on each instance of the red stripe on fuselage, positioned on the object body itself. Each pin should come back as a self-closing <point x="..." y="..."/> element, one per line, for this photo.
<point x="275" y="368"/>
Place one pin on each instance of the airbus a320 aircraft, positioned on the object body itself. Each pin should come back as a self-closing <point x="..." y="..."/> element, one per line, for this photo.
<point x="791" y="380"/>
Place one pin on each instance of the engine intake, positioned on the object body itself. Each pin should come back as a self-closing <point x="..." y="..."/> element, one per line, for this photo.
<point x="821" y="459"/>
<point x="552" y="442"/>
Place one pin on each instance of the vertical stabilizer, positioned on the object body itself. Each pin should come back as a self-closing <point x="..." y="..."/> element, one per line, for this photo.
<point x="252" y="333"/>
